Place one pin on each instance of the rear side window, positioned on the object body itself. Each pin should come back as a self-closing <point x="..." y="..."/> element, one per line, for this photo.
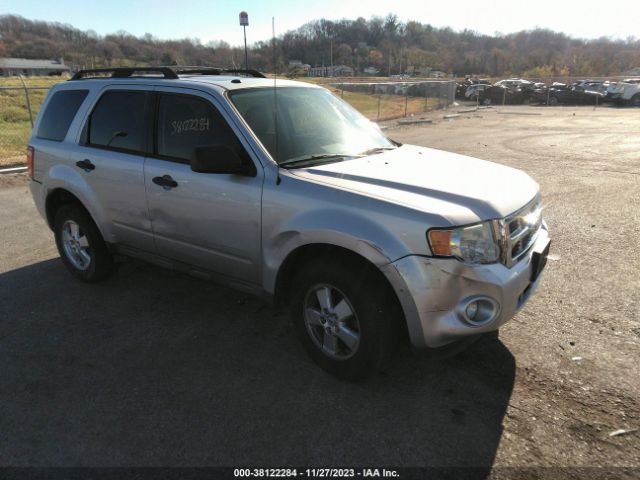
<point x="186" y="122"/>
<point x="60" y="112"/>
<point x="118" y="121"/>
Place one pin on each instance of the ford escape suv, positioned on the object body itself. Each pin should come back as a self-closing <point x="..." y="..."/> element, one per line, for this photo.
<point x="283" y="190"/>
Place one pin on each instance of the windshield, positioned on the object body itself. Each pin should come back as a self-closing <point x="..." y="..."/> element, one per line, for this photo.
<point x="313" y="124"/>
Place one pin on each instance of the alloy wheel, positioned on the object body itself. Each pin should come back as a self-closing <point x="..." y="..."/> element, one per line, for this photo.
<point x="331" y="322"/>
<point x="76" y="245"/>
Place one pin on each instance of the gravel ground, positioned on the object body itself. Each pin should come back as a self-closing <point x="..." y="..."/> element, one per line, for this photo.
<point x="577" y="342"/>
<point x="156" y="368"/>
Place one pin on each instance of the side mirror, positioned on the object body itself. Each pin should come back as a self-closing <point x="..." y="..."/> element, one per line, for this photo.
<point x="219" y="159"/>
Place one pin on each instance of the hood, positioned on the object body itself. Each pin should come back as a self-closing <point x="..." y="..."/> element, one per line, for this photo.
<point x="459" y="188"/>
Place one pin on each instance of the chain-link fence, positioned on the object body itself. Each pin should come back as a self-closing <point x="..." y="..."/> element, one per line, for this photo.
<point x="388" y="100"/>
<point x="19" y="104"/>
<point x="20" y="100"/>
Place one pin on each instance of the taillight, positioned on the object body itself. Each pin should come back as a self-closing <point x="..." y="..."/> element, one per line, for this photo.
<point x="31" y="154"/>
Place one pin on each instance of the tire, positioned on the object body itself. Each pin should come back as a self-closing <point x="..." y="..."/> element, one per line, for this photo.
<point x="635" y="100"/>
<point x="486" y="102"/>
<point x="80" y="244"/>
<point x="553" y="101"/>
<point x="356" y="331"/>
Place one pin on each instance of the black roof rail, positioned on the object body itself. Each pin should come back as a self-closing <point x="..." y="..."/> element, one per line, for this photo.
<point x="124" y="72"/>
<point x="167" y="72"/>
<point x="216" y="71"/>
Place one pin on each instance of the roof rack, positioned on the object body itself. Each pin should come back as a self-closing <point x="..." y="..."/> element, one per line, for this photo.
<point x="123" y="72"/>
<point x="167" y="72"/>
<point x="216" y="71"/>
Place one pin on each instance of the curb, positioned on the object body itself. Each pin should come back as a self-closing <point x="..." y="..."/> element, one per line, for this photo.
<point x="13" y="170"/>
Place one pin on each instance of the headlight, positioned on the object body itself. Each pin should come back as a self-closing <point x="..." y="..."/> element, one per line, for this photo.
<point x="472" y="244"/>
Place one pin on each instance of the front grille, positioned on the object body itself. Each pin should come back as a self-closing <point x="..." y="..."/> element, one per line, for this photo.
<point x="522" y="229"/>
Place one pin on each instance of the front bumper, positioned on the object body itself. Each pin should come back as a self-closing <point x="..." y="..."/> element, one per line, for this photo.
<point x="434" y="291"/>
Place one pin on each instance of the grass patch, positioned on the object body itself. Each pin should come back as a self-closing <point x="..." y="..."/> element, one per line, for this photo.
<point x="386" y="107"/>
<point x="15" y="125"/>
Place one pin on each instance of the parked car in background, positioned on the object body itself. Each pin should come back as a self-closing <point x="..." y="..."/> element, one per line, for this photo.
<point x="574" y="94"/>
<point x="462" y="87"/>
<point x="504" y="95"/>
<point x="626" y="92"/>
<point x="592" y="86"/>
<point x="473" y="91"/>
<point x="514" y="83"/>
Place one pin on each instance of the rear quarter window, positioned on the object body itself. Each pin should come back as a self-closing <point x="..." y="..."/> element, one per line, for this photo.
<point x="118" y="121"/>
<point x="59" y="114"/>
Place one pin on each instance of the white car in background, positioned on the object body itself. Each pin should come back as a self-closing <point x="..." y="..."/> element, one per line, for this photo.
<point x="514" y="83"/>
<point x="626" y="92"/>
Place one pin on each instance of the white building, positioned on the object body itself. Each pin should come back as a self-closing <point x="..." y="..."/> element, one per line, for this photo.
<point x="31" y="68"/>
<point x="335" y="71"/>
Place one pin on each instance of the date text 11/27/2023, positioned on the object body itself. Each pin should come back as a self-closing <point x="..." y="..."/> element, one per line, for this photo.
<point x="315" y="473"/>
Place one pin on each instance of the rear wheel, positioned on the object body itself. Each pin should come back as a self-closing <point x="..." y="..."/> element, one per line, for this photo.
<point x="345" y="317"/>
<point x="635" y="100"/>
<point x="553" y="101"/>
<point x="80" y="244"/>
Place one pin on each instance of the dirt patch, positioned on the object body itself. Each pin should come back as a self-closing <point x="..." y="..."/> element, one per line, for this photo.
<point x="14" y="180"/>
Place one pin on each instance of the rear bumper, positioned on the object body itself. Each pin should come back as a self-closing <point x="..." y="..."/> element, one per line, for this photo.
<point x="434" y="293"/>
<point x="38" y="194"/>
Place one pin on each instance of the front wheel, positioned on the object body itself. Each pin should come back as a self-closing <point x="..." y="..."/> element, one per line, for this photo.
<point x="80" y="244"/>
<point x="345" y="317"/>
<point x="635" y="100"/>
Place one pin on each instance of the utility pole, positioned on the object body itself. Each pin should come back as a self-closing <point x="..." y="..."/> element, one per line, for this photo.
<point x="331" y="54"/>
<point x="244" y="22"/>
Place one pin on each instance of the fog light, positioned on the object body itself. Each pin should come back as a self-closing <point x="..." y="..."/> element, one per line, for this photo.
<point x="478" y="310"/>
<point x="472" y="310"/>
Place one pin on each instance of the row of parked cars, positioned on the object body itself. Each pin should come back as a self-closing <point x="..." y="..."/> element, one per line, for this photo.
<point x="520" y="91"/>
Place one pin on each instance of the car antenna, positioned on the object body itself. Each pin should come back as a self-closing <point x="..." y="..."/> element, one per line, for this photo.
<point x="275" y="95"/>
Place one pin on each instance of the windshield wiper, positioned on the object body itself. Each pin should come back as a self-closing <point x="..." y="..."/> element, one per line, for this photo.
<point x="337" y="157"/>
<point x="371" y="151"/>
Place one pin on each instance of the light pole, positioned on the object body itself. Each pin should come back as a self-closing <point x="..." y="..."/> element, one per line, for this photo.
<point x="331" y="54"/>
<point x="244" y="22"/>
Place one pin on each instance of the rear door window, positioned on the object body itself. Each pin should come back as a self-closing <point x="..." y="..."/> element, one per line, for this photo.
<point x="186" y="122"/>
<point x="118" y="121"/>
<point x="60" y="112"/>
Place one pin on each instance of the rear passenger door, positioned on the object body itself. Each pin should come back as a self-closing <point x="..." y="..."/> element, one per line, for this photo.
<point x="111" y="160"/>
<point x="211" y="221"/>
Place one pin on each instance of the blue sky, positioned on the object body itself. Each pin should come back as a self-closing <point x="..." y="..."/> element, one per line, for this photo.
<point x="218" y="20"/>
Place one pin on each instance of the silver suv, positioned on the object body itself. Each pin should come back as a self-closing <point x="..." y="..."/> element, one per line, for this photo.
<point x="285" y="191"/>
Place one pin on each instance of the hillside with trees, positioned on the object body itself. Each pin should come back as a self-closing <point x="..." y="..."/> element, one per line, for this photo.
<point x="389" y="45"/>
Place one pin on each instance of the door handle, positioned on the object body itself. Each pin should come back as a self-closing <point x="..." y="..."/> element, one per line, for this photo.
<point x="165" y="181"/>
<point x="86" y="165"/>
